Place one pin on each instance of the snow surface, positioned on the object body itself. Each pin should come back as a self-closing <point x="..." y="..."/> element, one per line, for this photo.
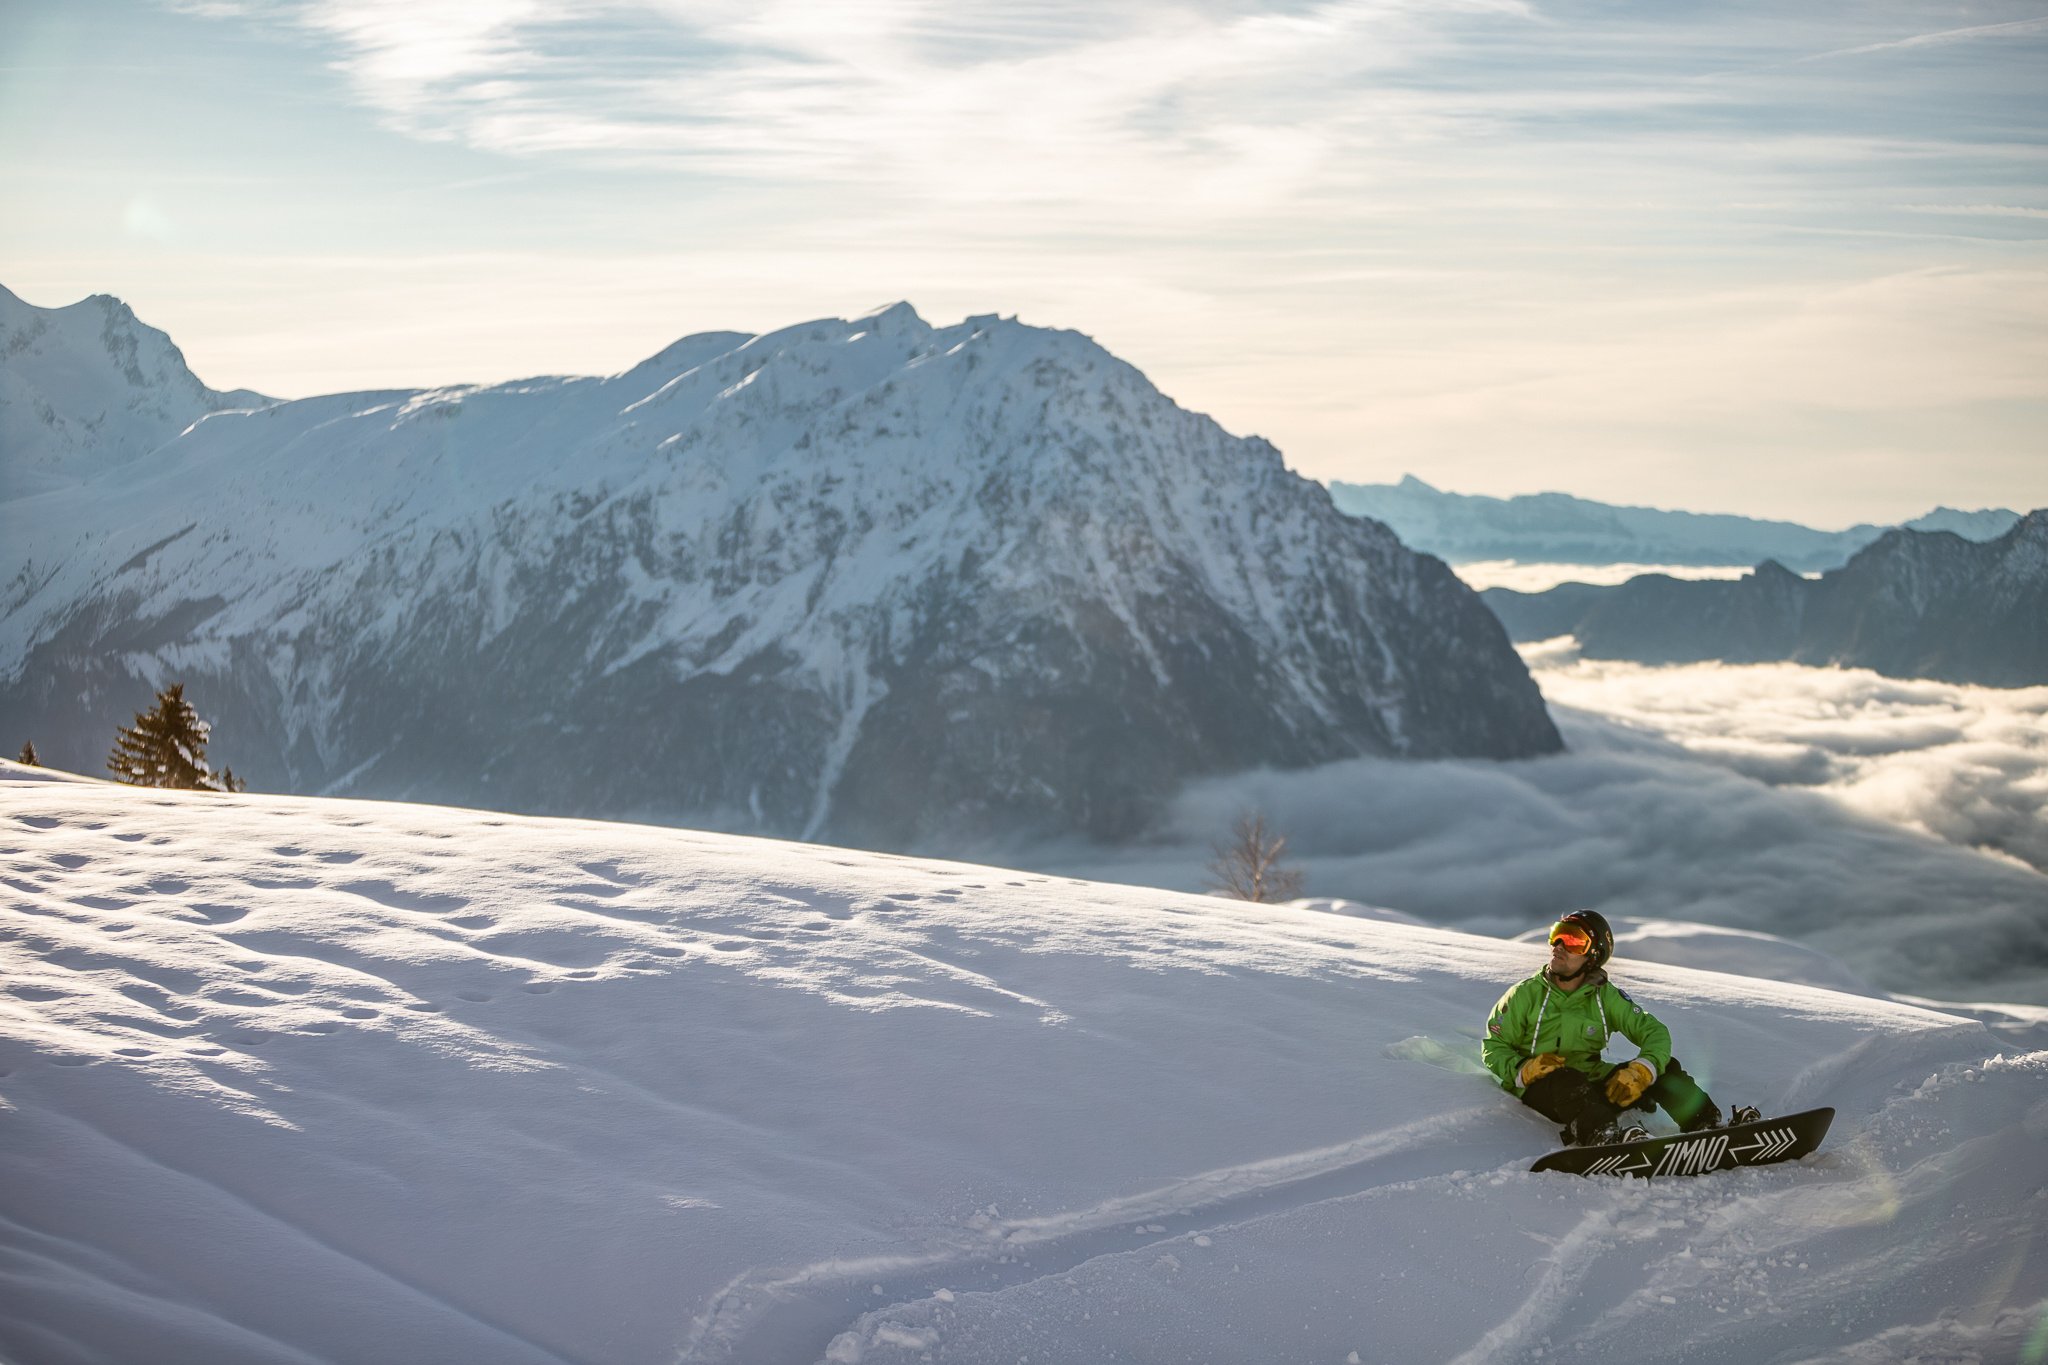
<point x="290" y="1079"/>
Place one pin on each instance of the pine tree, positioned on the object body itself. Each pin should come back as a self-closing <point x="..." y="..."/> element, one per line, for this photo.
<point x="166" y="747"/>
<point x="29" y="756"/>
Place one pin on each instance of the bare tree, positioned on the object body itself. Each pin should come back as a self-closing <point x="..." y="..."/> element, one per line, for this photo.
<point x="29" y="755"/>
<point x="1247" y="866"/>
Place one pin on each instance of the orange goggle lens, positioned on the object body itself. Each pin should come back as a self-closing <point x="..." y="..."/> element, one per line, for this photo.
<point x="1574" y="939"/>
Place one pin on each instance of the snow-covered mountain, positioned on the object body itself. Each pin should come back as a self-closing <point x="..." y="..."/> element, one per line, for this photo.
<point x="287" y="1080"/>
<point x="1912" y="604"/>
<point x="873" y="580"/>
<point x="89" y="388"/>
<point x="1559" y="528"/>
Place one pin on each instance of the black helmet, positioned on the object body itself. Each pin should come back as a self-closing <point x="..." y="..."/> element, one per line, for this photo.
<point x="1594" y="923"/>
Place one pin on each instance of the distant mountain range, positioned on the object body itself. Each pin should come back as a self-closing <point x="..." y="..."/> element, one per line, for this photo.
<point x="1558" y="528"/>
<point x="1913" y="604"/>
<point x="869" y="581"/>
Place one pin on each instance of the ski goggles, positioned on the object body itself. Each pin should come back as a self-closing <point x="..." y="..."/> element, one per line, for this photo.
<point x="1574" y="939"/>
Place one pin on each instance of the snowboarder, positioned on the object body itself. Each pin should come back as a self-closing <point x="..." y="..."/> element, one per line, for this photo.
<point x="1544" y="1040"/>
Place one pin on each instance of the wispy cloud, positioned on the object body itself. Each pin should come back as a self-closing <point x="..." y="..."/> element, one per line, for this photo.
<point x="1203" y="109"/>
<point x="2016" y="28"/>
<point x="1978" y="210"/>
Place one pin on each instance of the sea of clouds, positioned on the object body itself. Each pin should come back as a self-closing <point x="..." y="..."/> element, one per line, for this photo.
<point x="1901" y="826"/>
<point x="1480" y="574"/>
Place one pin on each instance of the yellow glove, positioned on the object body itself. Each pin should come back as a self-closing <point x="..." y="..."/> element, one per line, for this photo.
<point x="1628" y="1083"/>
<point x="1537" y="1067"/>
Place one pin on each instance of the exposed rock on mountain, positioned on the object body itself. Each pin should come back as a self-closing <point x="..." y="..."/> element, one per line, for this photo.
<point x="1558" y="528"/>
<point x="87" y="388"/>
<point x="869" y="581"/>
<point x="1915" y="604"/>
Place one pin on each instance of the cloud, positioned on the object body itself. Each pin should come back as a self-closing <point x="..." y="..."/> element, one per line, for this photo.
<point x="2018" y="28"/>
<point x="1121" y="111"/>
<point x="1968" y="765"/>
<point x="1840" y="810"/>
<point x="1480" y="574"/>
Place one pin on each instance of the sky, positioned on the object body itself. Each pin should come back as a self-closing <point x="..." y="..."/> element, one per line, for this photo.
<point x="1789" y="261"/>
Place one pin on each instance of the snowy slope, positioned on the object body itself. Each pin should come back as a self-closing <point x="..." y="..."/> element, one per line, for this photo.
<point x="90" y="388"/>
<point x="291" y="1079"/>
<point x="869" y="579"/>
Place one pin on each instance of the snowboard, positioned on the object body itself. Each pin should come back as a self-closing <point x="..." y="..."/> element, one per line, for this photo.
<point x="1711" y="1149"/>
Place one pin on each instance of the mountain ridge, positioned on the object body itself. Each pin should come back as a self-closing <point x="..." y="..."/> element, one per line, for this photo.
<point x="1912" y="603"/>
<point x="60" y="422"/>
<point x="866" y="579"/>
<point x="1562" y="528"/>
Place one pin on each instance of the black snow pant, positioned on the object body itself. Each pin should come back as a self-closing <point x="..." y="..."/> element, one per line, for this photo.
<point x="1580" y="1102"/>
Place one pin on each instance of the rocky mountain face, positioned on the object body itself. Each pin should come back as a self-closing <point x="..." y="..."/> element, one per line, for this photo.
<point x="871" y="581"/>
<point x="1561" y="529"/>
<point x="1914" y="604"/>
<point x="88" y="388"/>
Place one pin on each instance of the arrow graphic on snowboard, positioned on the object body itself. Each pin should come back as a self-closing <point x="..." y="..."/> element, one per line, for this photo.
<point x="1715" y="1149"/>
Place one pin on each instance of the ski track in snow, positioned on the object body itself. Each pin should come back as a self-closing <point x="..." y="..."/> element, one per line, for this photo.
<point x="795" y="1316"/>
<point x="292" y="1079"/>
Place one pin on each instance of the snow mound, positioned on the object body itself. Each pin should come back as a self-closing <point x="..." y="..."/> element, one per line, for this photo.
<point x="1356" y="910"/>
<point x="285" y="1079"/>
<point x="1717" y="948"/>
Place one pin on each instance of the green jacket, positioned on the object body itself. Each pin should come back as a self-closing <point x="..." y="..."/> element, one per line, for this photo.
<point x="1535" y="1016"/>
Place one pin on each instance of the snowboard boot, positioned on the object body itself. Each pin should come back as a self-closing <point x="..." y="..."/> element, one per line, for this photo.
<point x="1589" y="1131"/>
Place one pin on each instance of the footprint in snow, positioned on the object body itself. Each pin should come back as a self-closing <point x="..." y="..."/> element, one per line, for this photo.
<point x="613" y="874"/>
<point x="386" y="894"/>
